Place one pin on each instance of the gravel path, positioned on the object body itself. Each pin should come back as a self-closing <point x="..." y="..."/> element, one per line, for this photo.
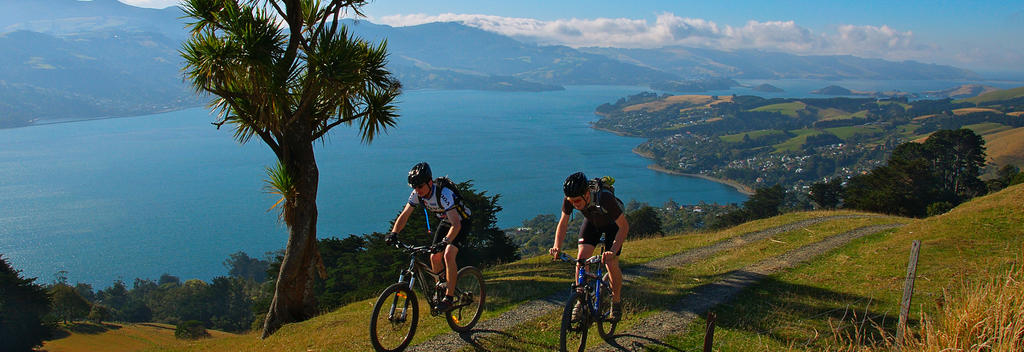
<point x="534" y="309"/>
<point x="649" y="331"/>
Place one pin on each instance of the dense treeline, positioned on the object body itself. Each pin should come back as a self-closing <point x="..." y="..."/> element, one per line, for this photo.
<point x="356" y="267"/>
<point x="920" y="179"/>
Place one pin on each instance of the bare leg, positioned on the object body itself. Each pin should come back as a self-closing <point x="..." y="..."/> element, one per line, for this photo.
<point x="437" y="262"/>
<point x="615" y="276"/>
<point x="452" y="273"/>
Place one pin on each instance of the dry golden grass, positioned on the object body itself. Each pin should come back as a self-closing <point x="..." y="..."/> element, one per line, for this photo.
<point x="924" y="117"/>
<point x="698" y="101"/>
<point x="1016" y="113"/>
<point x="1006" y="147"/>
<point x="965" y="111"/>
<point x="986" y="315"/>
<point x="87" y="337"/>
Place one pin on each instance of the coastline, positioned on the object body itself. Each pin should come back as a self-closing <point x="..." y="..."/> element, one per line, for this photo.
<point x="617" y="133"/>
<point x="744" y="189"/>
<point x="738" y="186"/>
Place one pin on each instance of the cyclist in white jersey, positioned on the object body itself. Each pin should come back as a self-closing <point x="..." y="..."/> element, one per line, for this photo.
<point x="450" y="234"/>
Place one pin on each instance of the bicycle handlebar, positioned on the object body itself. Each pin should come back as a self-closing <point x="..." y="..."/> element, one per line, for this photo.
<point x="566" y="258"/>
<point x="410" y="248"/>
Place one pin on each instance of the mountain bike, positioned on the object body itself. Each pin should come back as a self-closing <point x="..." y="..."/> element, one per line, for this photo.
<point x="595" y="299"/>
<point x="396" y="313"/>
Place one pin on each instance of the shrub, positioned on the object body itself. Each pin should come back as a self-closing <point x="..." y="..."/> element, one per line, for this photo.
<point x="191" y="330"/>
<point x="939" y="208"/>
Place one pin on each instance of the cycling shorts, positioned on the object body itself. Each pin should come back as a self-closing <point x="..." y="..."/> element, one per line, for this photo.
<point x="460" y="238"/>
<point x="591" y="234"/>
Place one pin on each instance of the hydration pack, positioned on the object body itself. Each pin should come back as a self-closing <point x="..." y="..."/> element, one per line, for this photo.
<point x="601" y="186"/>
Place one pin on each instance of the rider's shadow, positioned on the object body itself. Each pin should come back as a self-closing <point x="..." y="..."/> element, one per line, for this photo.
<point x="494" y="340"/>
<point x="638" y="343"/>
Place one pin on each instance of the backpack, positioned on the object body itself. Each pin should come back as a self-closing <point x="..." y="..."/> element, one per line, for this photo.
<point x="445" y="182"/>
<point x="602" y="185"/>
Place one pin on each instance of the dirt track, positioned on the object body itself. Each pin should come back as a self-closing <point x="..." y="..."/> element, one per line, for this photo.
<point x="685" y="312"/>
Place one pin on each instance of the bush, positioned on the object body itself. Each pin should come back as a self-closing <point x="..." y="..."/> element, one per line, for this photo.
<point x="939" y="208"/>
<point x="99" y="313"/>
<point x="191" y="330"/>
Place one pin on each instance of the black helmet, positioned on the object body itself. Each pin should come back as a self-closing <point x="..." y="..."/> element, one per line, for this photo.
<point x="575" y="185"/>
<point x="419" y="175"/>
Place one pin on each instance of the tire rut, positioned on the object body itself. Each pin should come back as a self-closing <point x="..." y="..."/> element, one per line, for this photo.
<point x="530" y="310"/>
<point x="699" y="301"/>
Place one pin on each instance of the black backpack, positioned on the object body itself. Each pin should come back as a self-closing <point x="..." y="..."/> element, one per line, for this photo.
<point x="445" y="182"/>
<point x="601" y="186"/>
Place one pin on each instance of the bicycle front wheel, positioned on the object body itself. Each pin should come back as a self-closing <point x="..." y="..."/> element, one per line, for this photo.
<point x="394" y="318"/>
<point x="573" y="333"/>
<point x="606" y="327"/>
<point x="470" y="295"/>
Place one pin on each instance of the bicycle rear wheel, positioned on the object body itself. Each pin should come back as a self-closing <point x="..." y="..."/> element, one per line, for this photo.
<point x="394" y="318"/>
<point x="605" y="327"/>
<point x="470" y="295"/>
<point x="573" y="334"/>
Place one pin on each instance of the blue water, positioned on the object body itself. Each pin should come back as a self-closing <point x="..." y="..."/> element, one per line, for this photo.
<point x="168" y="193"/>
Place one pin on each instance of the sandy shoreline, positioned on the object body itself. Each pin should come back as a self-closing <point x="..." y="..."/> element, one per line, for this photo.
<point x="738" y="186"/>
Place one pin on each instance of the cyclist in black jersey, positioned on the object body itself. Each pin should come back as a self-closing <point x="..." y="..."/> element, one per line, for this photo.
<point x="603" y="216"/>
<point x="450" y="233"/>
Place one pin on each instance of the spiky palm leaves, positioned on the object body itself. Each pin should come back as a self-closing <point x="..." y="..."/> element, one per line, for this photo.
<point x="287" y="72"/>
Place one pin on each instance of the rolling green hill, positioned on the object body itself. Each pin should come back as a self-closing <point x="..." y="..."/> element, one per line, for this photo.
<point x="999" y="95"/>
<point x="795" y="305"/>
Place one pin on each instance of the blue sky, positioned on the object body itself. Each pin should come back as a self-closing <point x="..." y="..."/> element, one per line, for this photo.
<point x="979" y="35"/>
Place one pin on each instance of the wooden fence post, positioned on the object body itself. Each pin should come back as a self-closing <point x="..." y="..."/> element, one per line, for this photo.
<point x="908" y="292"/>
<point x="709" y="332"/>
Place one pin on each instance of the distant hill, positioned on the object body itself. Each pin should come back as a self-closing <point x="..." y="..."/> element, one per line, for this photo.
<point x="71" y="59"/>
<point x="88" y="75"/>
<point x="757" y="64"/>
<point x="997" y="96"/>
<point x="767" y="88"/>
<point x="958" y="92"/>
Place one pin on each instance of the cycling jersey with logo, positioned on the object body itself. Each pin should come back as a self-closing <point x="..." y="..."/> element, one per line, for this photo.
<point x="431" y="201"/>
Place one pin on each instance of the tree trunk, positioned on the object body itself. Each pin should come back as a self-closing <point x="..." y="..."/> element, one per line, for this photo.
<point x="293" y="296"/>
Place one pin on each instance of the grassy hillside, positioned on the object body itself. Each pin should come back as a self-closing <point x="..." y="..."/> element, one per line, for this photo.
<point x="87" y="337"/>
<point x="996" y="96"/>
<point x="1006" y="147"/>
<point x="796" y="309"/>
<point x="509" y="285"/>
<point x="801" y="308"/>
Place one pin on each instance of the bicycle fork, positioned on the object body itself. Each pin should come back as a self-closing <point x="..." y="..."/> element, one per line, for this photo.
<point x="394" y="302"/>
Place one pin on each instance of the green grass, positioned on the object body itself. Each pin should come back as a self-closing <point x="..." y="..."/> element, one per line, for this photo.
<point x="508" y="285"/>
<point x="836" y="114"/>
<point x="890" y="102"/>
<point x="793" y="144"/>
<point x="800" y="309"/>
<point x="660" y="291"/>
<point x="998" y="95"/>
<point x="987" y="128"/>
<point x="735" y="138"/>
<point x="848" y="131"/>
<point x="788" y="109"/>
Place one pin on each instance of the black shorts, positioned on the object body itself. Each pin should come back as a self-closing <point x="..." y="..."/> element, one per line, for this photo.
<point x="591" y="234"/>
<point x="460" y="238"/>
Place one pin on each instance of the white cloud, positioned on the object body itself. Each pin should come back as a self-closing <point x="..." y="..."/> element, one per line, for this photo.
<point x="156" y="4"/>
<point x="669" y="29"/>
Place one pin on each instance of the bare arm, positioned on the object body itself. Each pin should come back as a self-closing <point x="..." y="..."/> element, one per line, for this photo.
<point x="563" y="226"/>
<point x="456" y="220"/>
<point x="620" y="236"/>
<point x="402" y="218"/>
